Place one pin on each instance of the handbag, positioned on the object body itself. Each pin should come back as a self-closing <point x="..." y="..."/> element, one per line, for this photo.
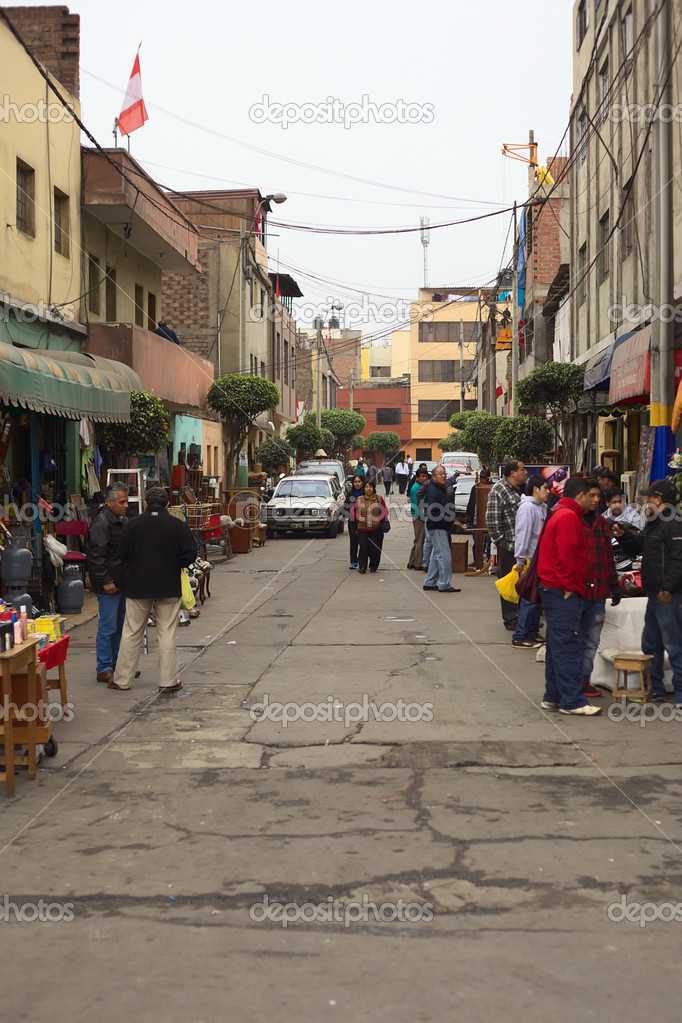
<point x="188" y="599"/>
<point x="385" y="525"/>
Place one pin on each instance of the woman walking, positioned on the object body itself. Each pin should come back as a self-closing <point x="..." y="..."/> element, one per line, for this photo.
<point x="402" y="471"/>
<point x="369" y="512"/>
<point x="387" y="477"/>
<point x="353" y="492"/>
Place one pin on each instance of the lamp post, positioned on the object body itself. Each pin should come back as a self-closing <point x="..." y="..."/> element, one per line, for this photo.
<point x="318" y="417"/>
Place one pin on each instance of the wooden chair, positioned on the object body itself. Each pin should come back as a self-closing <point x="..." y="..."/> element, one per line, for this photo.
<point x="54" y="656"/>
<point x="640" y="663"/>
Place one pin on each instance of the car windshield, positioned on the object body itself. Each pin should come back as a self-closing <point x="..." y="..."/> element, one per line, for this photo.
<point x="468" y="462"/>
<point x="302" y="488"/>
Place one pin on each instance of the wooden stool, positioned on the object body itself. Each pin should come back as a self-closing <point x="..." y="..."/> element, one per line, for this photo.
<point x="633" y="662"/>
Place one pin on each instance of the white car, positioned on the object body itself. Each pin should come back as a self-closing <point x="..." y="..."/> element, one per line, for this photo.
<point x="460" y="461"/>
<point x="306" y="503"/>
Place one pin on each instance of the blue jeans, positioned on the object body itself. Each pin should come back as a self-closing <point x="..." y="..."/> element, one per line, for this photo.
<point x="564" y="650"/>
<point x="663" y="634"/>
<point x="112" y="612"/>
<point x="440" y="566"/>
<point x="427" y="548"/>
<point x="528" y="622"/>
<point x="592" y="614"/>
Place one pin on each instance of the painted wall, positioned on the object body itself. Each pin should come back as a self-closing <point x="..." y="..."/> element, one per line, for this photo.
<point x="212" y="448"/>
<point x="31" y="268"/>
<point x="185" y="430"/>
<point x="131" y="268"/>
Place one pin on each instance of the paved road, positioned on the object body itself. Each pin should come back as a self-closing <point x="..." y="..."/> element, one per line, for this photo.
<point x="491" y="837"/>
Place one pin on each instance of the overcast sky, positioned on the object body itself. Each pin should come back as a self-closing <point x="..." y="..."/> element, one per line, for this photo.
<point x="473" y="76"/>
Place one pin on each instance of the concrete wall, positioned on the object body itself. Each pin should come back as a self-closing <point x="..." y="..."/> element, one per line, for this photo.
<point x="131" y="268"/>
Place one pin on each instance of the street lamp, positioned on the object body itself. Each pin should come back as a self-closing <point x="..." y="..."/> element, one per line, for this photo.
<point x="318" y="418"/>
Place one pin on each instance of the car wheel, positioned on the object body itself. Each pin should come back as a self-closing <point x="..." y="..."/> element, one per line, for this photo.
<point x="331" y="530"/>
<point x="340" y="527"/>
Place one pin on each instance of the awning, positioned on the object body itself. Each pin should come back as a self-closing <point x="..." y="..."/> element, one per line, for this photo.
<point x="598" y="370"/>
<point x="631" y="366"/>
<point x="70" y="384"/>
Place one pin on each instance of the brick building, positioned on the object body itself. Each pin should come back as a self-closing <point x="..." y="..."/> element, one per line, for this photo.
<point x="53" y="36"/>
<point x="385" y="404"/>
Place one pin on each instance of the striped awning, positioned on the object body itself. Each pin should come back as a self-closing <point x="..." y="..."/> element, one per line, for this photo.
<point x="69" y="384"/>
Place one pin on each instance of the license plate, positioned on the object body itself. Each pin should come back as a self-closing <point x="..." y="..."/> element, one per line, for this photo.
<point x="297" y="525"/>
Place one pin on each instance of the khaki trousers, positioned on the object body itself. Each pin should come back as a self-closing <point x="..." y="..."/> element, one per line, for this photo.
<point x="416" y="554"/>
<point x="137" y="612"/>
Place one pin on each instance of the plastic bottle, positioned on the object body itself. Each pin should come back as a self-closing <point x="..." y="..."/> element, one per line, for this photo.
<point x="16" y="628"/>
<point x="24" y="622"/>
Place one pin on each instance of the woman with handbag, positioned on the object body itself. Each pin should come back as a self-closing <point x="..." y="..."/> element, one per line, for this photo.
<point x="353" y="492"/>
<point x="371" y="515"/>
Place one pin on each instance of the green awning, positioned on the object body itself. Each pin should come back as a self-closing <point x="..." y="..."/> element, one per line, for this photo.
<point x="70" y="384"/>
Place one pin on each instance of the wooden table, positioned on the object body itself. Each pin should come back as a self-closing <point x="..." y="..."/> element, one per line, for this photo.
<point x="22" y="656"/>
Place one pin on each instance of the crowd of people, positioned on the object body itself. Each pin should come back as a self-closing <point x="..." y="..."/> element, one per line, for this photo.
<point x="566" y="541"/>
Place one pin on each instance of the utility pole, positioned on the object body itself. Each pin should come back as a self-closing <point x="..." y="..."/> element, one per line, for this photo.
<point x="461" y="365"/>
<point x="243" y="263"/>
<point x="479" y="356"/>
<point x="350" y="387"/>
<point x="515" y="318"/>
<point x="318" y="396"/>
<point x="662" y="376"/>
<point x="424" y="225"/>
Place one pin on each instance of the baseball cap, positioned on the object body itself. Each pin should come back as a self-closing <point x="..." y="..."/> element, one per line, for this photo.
<point x="662" y="488"/>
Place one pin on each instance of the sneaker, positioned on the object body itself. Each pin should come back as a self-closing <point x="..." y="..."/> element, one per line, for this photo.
<point x="588" y="711"/>
<point x="429" y="587"/>
<point x="539" y="640"/>
<point x="658" y="699"/>
<point x="524" y="644"/>
<point x="591" y="690"/>
<point x="362" y="571"/>
<point x="424" y="568"/>
<point x="548" y="705"/>
<point x="353" y="564"/>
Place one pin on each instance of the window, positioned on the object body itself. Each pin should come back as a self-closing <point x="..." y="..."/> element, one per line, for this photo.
<point x="389" y="416"/>
<point x="278" y="355"/>
<point x="324" y="393"/>
<point x="582" y="281"/>
<point x="94" y="280"/>
<point x="26" y="190"/>
<point x="627" y="220"/>
<point x="603" y="91"/>
<point x="286" y="362"/>
<point x="151" y="311"/>
<point x="379" y="371"/>
<point x="139" y="305"/>
<point x="436" y="371"/>
<point x="581" y="141"/>
<point x="110" y="294"/>
<point x="628" y="40"/>
<point x="422" y="455"/>
<point x="442" y="333"/>
<point x="251" y="363"/>
<point x="61" y="223"/>
<point x="582" y="20"/>
<point x="436" y="410"/>
<point x="262" y="369"/>
<point x="603" y="259"/>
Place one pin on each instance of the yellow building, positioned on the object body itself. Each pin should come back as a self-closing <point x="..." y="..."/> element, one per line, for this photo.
<point x="440" y="318"/>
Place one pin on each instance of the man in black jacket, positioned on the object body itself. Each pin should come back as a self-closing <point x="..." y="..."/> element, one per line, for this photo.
<point x="440" y="519"/>
<point x="156" y="547"/>
<point x="108" y="577"/>
<point x="661" y="547"/>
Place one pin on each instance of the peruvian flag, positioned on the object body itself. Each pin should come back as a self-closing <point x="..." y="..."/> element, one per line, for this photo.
<point x="133" y="112"/>
<point x="498" y="392"/>
<point x="277" y="294"/>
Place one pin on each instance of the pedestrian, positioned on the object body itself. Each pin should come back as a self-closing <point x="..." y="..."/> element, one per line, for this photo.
<point x="415" y="559"/>
<point x="602" y="582"/>
<point x="156" y="547"/>
<point x="370" y="512"/>
<point x="354" y="490"/>
<point x="387" y="477"/>
<point x="471" y="516"/>
<point x="606" y="480"/>
<point x="108" y="577"/>
<point x="530" y="518"/>
<point x="411" y="479"/>
<point x="402" y="471"/>
<point x="562" y="574"/>
<point x="661" y="548"/>
<point x="500" y="517"/>
<point x="440" y="520"/>
<point x="620" y="512"/>
<point x="360" y="469"/>
<point x="409" y="464"/>
<point x="163" y="330"/>
<point x="371" y="472"/>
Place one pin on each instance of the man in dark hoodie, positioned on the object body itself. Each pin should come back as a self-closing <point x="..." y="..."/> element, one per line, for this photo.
<point x="440" y="522"/>
<point x="108" y="577"/>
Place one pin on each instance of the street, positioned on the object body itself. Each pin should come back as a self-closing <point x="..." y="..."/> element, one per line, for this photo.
<point x="506" y="831"/>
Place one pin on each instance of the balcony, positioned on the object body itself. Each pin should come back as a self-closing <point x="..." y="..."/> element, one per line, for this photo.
<point x="178" y="377"/>
<point x="132" y="206"/>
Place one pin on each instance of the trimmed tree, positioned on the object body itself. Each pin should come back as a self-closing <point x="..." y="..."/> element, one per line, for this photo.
<point x="238" y="400"/>
<point x="273" y="453"/>
<point x="385" y="441"/>
<point x="305" y="438"/>
<point x="343" y="424"/>
<point x="476" y="432"/>
<point x="358" y="442"/>
<point x="455" y="442"/>
<point x="555" y="389"/>
<point x="145" y="434"/>
<point x="524" y="437"/>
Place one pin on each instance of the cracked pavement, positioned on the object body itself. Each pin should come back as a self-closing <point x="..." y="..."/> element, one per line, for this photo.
<point x="165" y="821"/>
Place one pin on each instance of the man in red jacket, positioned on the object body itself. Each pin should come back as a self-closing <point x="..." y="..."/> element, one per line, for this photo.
<point x="562" y="578"/>
<point x="602" y="583"/>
